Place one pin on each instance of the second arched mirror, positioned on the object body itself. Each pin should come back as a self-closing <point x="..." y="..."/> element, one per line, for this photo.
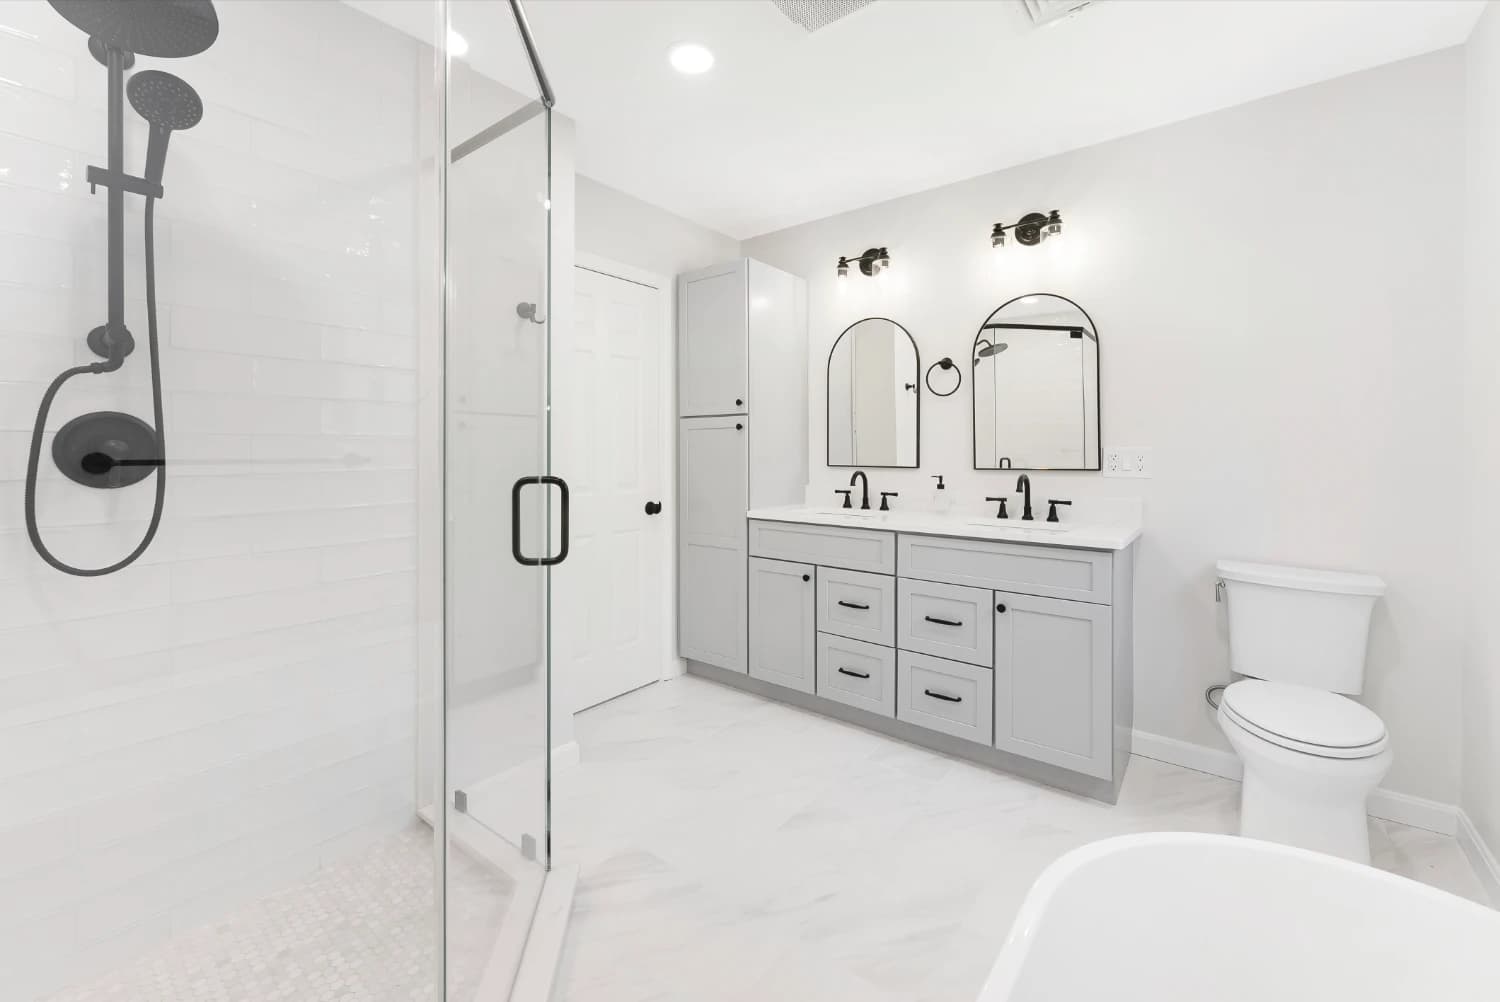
<point x="1036" y="387"/>
<point x="874" y="396"/>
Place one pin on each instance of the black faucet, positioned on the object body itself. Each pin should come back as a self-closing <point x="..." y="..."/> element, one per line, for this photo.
<point x="1024" y="486"/>
<point x="860" y="478"/>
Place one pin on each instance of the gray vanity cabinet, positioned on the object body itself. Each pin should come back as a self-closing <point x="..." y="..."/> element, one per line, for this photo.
<point x="1014" y="654"/>
<point x="711" y="547"/>
<point x="1053" y="677"/>
<point x="783" y="629"/>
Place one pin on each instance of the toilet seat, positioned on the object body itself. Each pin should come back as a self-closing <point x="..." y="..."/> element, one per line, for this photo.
<point x="1301" y="719"/>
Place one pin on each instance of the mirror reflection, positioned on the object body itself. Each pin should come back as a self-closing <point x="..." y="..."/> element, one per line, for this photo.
<point x="1036" y="387"/>
<point x="874" y="397"/>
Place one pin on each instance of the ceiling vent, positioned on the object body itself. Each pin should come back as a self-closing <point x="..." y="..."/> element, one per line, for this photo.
<point x="1047" y="11"/>
<point x="815" y="14"/>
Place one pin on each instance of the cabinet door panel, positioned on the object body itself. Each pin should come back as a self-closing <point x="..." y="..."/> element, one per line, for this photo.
<point x="711" y="540"/>
<point x="783" y="634"/>
<point x="1052" y="682"/>
<point x="712" y="341"/>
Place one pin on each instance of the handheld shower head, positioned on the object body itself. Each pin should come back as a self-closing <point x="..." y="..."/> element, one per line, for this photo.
<point x="167" y="28"/>
<point x="168" y="103"/>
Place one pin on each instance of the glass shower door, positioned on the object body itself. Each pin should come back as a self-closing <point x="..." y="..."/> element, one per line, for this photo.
<point x="503" y="513"/>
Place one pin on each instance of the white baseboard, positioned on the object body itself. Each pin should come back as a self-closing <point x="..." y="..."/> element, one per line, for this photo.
<point x="1481" y="856"/>
<point x="1388" y="805"/>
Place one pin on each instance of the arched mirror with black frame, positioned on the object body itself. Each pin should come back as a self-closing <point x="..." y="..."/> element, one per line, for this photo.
<point x="874" y="396"/>
<point x="1036" y="387"/>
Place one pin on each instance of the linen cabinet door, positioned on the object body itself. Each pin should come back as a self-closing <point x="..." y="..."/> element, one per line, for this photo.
<point x="1053" y="700"/>
<point x="713" y="369"/>
<point x="783" y="631"/>
<point x="711" y="546"/>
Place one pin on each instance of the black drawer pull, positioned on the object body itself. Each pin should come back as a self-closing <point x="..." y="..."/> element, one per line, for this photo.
<point x="1000" y="607"/>
<point x="942" y="622"/>
<point x="852" y="605"/>
<point x="855" y="674"/>
<point x="943" y="696"/>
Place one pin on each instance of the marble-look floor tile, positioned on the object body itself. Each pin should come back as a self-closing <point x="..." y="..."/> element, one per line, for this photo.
<point x="733" y="848"/>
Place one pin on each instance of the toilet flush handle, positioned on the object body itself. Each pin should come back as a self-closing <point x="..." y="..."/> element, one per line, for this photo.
<point x="1219" y="590"/>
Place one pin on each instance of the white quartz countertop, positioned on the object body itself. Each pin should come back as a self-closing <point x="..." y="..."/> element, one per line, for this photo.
<point x="1076" y="535"/>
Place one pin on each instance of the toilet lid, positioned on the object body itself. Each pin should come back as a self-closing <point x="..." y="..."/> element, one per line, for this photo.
<point x="1304" y="719"/>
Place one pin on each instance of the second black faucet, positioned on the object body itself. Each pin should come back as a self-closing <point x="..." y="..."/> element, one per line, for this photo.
<point x="860" y="478"/>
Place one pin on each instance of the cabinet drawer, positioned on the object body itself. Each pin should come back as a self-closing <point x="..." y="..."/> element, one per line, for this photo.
<point x="946" y="621"/>
<point x="947" y="696"/>
<point x="857" y="605"/>
<point x="857" y="673"/>
<point x="1054" y="571"/>
<point x="853" y="549"/>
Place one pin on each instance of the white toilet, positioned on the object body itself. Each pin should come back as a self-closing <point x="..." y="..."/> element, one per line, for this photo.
<point x="1311" y="756"/>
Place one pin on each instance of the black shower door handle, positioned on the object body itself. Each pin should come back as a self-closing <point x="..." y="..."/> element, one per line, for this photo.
<point x="515" y="522"/>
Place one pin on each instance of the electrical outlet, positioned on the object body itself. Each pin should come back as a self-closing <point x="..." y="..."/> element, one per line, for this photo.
<point x="1127" y="463"/>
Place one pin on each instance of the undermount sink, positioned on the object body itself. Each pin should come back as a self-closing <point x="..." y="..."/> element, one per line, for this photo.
<point x="847" y="512"/>
<point x="1015" y="523"/>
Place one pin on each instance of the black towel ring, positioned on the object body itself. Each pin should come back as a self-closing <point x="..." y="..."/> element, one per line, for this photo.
<point x="945" y="364"/>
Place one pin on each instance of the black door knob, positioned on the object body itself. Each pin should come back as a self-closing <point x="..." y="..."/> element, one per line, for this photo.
<point x="653" y="507"/>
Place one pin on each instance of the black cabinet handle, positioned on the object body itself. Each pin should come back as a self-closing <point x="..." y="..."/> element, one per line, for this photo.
<point x="653" y="507"/>
<point x="853" y="673"/>
<point x="739" y="427"/>
<point x="852" y="605"/>
<point x="515" y="522"/>
<point x="807" y="577"/>
<point x="943" y="696"/>
<point x="738" y="402"/>
<point x="1000" y="607"/>
<point x="941" y="622"/>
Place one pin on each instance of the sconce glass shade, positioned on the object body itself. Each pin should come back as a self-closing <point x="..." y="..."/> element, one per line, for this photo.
<point x="997" y="236"/>
<point x="1054" y="223"/>
<point x="885" y="259"/>
<point x="843" y="267"/>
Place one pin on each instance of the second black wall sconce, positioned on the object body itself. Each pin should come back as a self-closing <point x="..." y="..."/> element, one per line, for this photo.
<point x="1030" y="230"/>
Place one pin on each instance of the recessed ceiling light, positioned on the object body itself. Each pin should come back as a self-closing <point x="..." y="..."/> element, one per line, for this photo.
<point x="458" y="46"/>
<point x="691" y="58"/>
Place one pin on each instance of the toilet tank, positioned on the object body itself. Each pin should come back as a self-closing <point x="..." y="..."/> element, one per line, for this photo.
<point x="1294" y="624"/>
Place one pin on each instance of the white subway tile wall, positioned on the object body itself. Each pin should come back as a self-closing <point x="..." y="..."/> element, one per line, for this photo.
<point x="238" y="708"/>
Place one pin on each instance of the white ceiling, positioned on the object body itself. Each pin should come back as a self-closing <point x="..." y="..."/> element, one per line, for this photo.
<point x="905" y="95"/>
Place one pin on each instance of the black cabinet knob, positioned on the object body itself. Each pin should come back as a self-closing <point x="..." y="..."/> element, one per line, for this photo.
<point x="739" y="427"/>
<point x="738" y="402"/>
<point x="653" y="507"/>
<point x="807" y="577"/>
<point x="1000" y="607"/>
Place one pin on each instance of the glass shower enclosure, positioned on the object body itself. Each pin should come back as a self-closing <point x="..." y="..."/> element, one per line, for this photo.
<point x="277" y="520"/>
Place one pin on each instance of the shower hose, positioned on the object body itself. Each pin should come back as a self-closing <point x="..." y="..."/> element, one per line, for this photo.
<point x="110" y="365"/>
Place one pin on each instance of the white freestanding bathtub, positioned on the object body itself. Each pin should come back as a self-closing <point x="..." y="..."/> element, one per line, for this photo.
<point x="1173" y="917"/>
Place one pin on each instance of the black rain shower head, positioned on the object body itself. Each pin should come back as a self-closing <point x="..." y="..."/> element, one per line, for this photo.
<point x="166" y="28"/>
<point x="168" y="103"/>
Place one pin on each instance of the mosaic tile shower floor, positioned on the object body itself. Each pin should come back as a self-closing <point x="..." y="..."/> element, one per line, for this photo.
<point x="361" y="930"/>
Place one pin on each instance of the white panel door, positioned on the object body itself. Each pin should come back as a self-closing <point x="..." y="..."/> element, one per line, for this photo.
<point x="611" y="439"/>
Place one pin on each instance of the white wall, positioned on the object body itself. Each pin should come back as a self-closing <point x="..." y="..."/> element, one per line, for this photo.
<point x="624" y="229"/>
<point x="1291" y="355"/>
<point x="238" y="707"/>
<point x="1481" y="681"/>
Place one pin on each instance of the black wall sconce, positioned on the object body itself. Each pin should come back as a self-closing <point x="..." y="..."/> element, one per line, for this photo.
<point x="947" y="365"/>
<point x="1030" y="230"/>
<point x="872" y="262"/>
